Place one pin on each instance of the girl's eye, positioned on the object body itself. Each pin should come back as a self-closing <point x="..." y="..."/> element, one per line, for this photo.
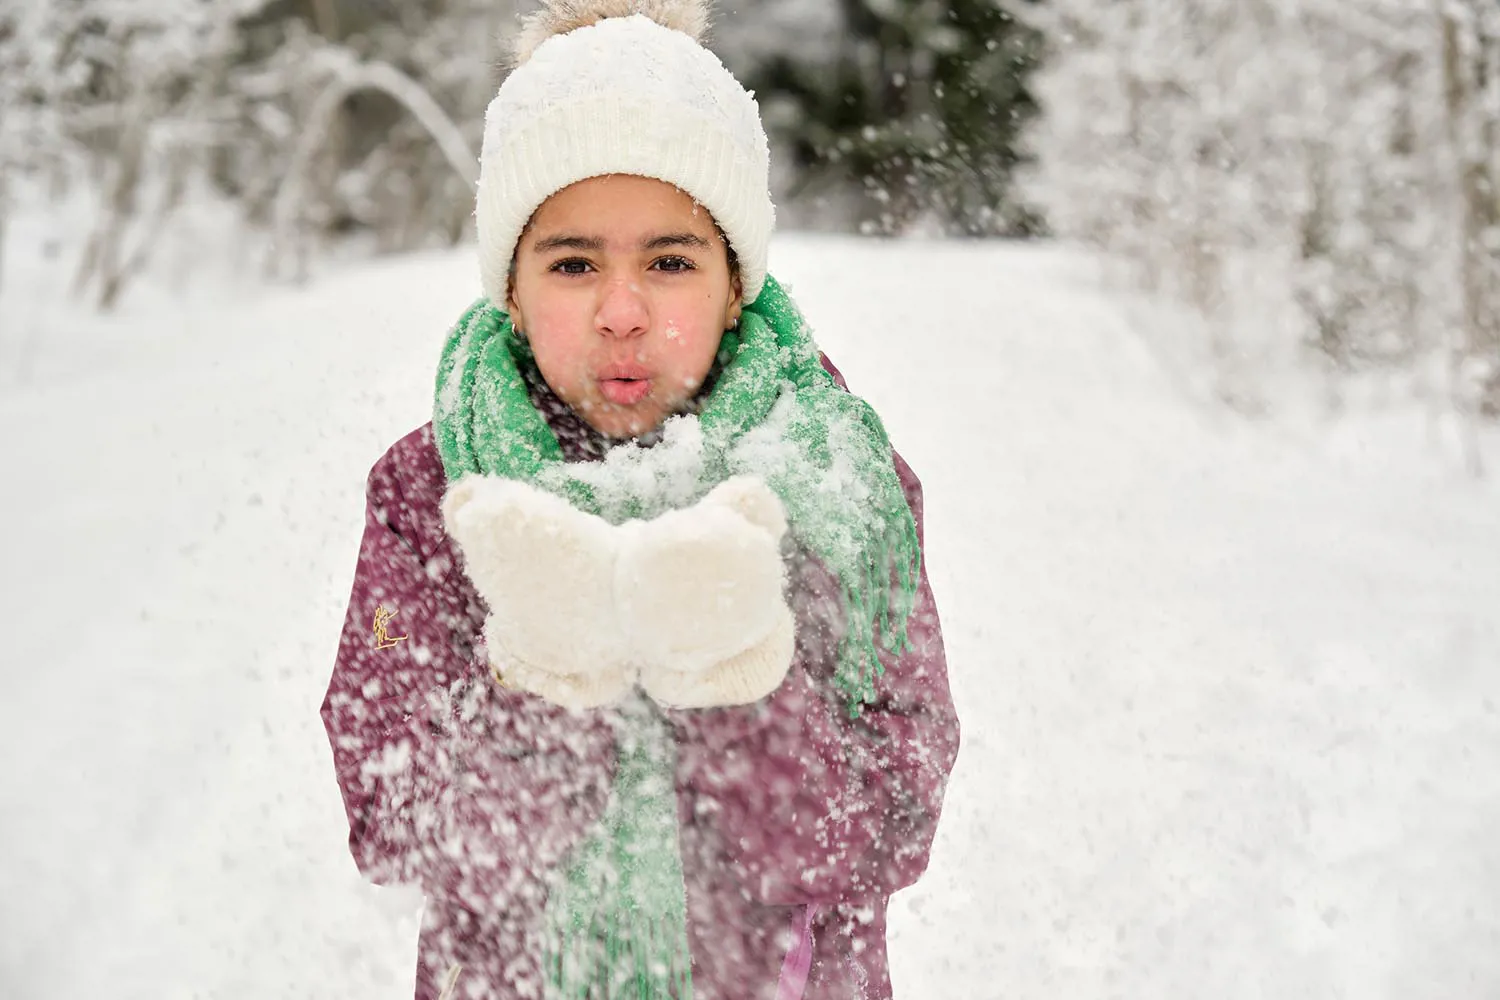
<point x="571" y="266"/>
<point x="673" y="265"/>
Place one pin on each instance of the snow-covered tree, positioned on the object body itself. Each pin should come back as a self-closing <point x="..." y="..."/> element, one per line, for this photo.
<point x="389" y="103"/>
<point x="1470" y="31"/>
<point x="341" y="115"/>
<point x="1332" y="162"/>
<point x="913" y="105"/>
<point x="122" y="100"/>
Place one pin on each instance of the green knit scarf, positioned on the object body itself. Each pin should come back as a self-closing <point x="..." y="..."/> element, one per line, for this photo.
<point x="617" y="914"/>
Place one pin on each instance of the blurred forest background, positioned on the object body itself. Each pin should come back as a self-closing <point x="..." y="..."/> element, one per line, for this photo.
<point x="1316" y="180"/>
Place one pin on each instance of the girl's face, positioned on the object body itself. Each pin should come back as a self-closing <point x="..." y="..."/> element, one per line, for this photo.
<point x="622" y="287"/>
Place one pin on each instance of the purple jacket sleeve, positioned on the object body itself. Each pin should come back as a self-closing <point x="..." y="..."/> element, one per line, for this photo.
<point x="449" y="781"/>
<point x="810" y="805"/>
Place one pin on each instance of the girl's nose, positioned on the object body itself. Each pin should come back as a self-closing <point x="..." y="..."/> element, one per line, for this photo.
<point x="622" y="311"/>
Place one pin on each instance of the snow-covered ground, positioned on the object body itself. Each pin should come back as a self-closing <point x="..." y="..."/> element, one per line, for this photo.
<point x="1230" y="691"/>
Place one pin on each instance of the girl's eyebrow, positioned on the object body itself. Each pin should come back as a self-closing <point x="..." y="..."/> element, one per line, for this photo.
<point x="675" y="240"/>
<point x="593" y="244"/>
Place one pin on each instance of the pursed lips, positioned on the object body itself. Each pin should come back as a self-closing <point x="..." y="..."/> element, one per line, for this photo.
<point x="625" y="384"/>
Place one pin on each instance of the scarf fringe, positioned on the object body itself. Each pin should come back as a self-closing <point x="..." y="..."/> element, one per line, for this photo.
<point x="878" y="611"/>
<point x="608" y="960"/>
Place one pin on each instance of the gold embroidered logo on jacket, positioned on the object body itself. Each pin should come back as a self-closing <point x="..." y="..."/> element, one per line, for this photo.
<point x="383" y="638"/>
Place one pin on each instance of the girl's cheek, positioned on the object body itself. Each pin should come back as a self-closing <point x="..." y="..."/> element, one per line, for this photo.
<point x="562" y="331"/>
<point x="685" y="329"/>
<point x="682" y="331"/>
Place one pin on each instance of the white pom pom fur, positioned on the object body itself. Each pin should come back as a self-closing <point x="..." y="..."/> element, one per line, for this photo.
<point x="558" y="17"/>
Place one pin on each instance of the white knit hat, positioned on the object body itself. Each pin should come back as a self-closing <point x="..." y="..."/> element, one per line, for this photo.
<point x="622" y="95"/>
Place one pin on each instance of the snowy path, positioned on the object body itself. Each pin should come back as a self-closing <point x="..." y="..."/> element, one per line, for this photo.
<point x="1232" y="713"/>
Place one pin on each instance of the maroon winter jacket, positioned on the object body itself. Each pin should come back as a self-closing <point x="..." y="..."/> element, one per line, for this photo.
<point x="797" y="822"/>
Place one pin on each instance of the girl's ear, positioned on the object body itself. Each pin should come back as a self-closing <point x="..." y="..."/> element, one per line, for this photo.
<point x="736" y="303"/>
<point x="511" y="308"/>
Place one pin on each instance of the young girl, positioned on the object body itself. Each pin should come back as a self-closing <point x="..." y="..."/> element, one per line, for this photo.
<point x="641" y="679"/>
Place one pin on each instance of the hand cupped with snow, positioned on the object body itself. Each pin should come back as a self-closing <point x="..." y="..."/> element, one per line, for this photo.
<point x="698" y="589"/>
<point x="546" y="571"/>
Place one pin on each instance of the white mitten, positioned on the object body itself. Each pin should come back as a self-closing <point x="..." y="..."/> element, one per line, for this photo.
<point x="699" y="597"/>
<point x="547" y="572"/>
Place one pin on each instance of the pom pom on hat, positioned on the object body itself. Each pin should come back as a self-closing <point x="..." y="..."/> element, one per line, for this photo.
<point x="562" y="16"/>
<point x="621" y="87"/>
